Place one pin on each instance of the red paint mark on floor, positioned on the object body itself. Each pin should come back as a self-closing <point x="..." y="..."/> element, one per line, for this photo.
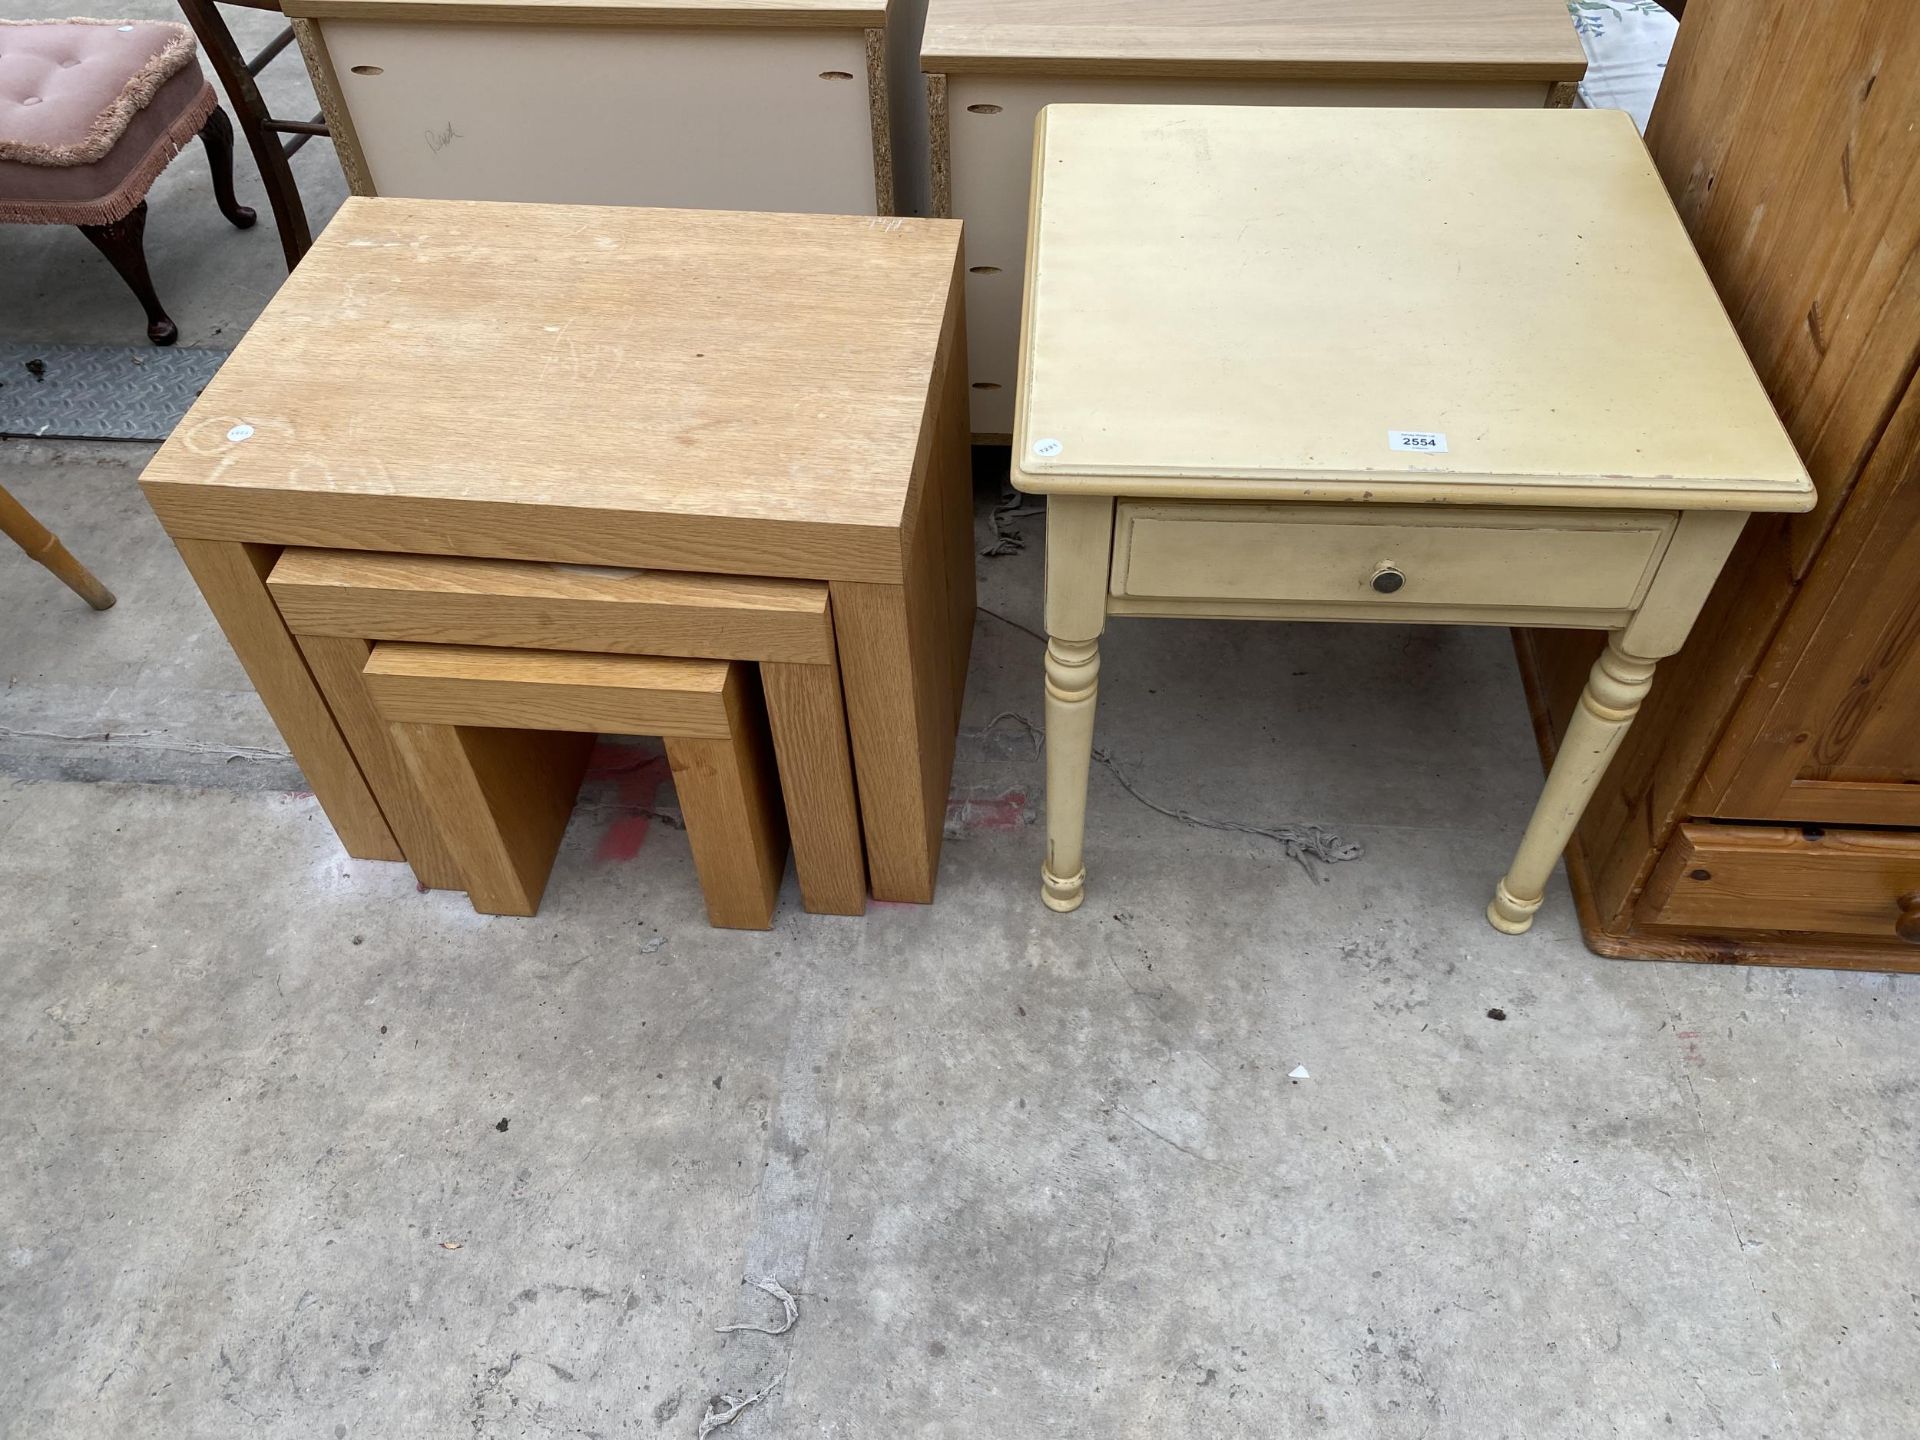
<point x="1690" y="1051"/>
<point x="636" y="776"/>
<point x="970" y="813"/>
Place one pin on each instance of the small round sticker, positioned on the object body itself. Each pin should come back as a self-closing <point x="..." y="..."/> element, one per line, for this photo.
<point x="1047" y="449"/>
<point x="239" y="433"/>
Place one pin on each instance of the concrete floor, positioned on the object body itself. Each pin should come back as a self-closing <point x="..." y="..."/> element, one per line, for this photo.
<point x="293" y="1150"/>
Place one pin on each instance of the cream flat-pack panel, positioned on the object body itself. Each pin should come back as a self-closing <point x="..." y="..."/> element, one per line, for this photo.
<point x="1472" y="306"/>
<point x="814" y="14"/>
<point x="697" y="118"/>
<point x="990" y="122"/>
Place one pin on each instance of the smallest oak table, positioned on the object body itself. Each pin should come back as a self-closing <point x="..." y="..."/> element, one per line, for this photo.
<point x="1417" y="366"/>
<point x="772" y="396"/>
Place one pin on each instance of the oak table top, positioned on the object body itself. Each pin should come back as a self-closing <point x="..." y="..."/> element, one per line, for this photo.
<point x="1273" y="39"/>
<point x="741" y="394"/>
<point x="1275" y="304"/>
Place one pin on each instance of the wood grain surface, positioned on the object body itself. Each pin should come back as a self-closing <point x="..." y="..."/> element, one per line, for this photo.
<point x="1759" y="877"/>
<point x="233" y="580"/>
<point x="1789" y="139"/>
<point x="529" y="605"/>
<point x="697" y="390"/>
<point x="731" y="802"/>
<point x="548" y="690"/>
<point x="807" y="714"/>
<point x="785" y="624"/>
<point x="501" y="799"/>
<point x="337" y="664"/>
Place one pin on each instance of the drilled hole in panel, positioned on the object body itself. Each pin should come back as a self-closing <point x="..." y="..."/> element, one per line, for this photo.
<point x="983" y="109"/>
<point x="983" y="269"/>
<point x="836" y="74"/>
<point x="368" y="70"/>
<point x="986" y="384"/>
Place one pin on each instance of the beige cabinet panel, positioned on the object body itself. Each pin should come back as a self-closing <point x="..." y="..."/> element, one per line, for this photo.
<point x="693" y="118"/>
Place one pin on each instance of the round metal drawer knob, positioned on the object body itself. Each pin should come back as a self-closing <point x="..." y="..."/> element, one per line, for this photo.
<point x="1386" y="580"/>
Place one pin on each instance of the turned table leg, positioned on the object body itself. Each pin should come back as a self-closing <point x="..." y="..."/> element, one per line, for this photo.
<point x="1615" y="689"/>
<point x="1618" y="683"/>
<point x="1073" y="685"/>
<point x="1079" y="547"/>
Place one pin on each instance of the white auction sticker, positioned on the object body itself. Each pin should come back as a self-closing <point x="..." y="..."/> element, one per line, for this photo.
<point x="1047" y="449"/>
<point x="239" y="433"/>
<point x="1433" y="442"/>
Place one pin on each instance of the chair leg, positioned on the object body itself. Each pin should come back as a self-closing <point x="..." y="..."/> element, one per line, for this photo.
<point x="249" y="109"/>
<point x="41" y="544"/>
<point x="217" y="136"/>
<point x="124" y="244"/>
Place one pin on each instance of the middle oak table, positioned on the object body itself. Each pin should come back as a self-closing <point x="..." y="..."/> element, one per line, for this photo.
<point x="689" y="391"/>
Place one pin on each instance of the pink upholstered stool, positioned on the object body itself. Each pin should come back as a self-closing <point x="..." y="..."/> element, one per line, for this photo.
<point x="91" y="111"/>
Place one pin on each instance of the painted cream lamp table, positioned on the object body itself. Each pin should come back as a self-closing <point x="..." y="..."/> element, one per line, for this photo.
<point x="1417" y="366"/>
<point x="991" y="65"/>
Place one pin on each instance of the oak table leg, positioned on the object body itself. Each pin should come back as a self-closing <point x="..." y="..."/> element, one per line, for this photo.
<point x="896" y="679"/>
<point x="336" y="664"/>
<point x="807" y="715"/>
<point x="232" y="576"/>
<point x="730" y="801"/>
<point x="904" y="651"/>
<point x="502" y="799"/>
<point x="1615" y="688"/>
<point x="1079" y="548"/>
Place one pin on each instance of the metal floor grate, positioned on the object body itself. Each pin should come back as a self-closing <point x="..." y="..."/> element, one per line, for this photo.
<point x="99" y="392"/>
